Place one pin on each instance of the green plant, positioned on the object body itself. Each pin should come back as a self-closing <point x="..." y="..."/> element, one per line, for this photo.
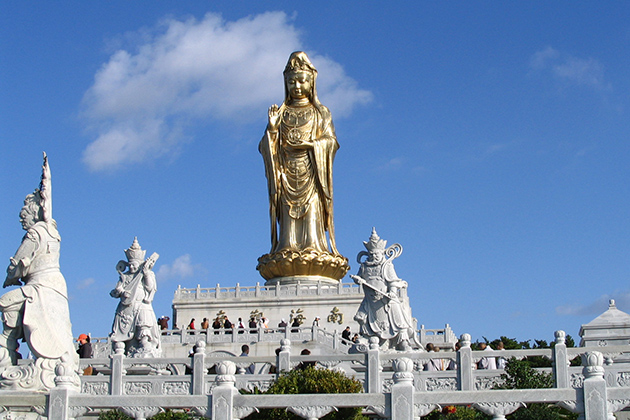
<point x="519" y="374"/>
<point x="452" y="412"/>
<point x="113" y="415"/>
<point x="312" y="381"/>
<point x="176" y="415"/>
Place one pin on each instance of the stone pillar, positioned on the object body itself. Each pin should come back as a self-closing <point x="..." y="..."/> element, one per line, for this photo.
<point x="560" y="361"/>
<point x="223" y="393"/>
<point x="284" y="358"/>
<point x="373" y="370"/>
<point x="199" y="368"/>
<point x="595" y="394"/>
<point x="401" y="403"/>
<point x="118" y="369"/>
<point x="465" y="376"/>
<point x="66" y="381"/>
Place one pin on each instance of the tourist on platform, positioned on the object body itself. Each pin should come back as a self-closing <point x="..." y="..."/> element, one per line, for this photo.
<point x="85" y="347"/>
<point x="355" y="338"/>
<point x="216" y="325"/>
<point x="163" y="322"/>
<point x="245" y="353"/>
<point x="453" y="363"/>
<point x="486" y="362"/>
<point x="263" y="323"/>
<point x="253" y="325"/>
<point x="346" y="334"/>
<point x="274" y="368"/>
<point x="205" y="324"/>
<point x="282" y="325"/>
<point x="303" y="365"/>
<point x="18" y="355"/>
<point x="501" y="361"/>
<point x="295" y="325"/>
<point x="316" y="322"/>
<point x="432" y="365"/>
<point x="191" y="325"/>
<point x="241" y="326"/>
<point x="227" y="324"/>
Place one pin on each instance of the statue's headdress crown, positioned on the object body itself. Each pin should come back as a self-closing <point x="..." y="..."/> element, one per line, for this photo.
<point x="135" y="253"/>
<point x="299" y="61"/>
<point x="375" y="242"/>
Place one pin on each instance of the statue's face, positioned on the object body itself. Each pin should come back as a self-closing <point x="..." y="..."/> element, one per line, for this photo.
<point x="376" y="255"/>
<point x="27" y="218"/>
<point x="299" y="84"/>
<point x="133" y="266"/>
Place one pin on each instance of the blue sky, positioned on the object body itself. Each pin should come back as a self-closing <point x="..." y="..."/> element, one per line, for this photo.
<point x="490" y="139"/>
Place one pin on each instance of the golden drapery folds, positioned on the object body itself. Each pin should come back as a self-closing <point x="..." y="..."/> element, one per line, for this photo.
<point x="298" y="150"/>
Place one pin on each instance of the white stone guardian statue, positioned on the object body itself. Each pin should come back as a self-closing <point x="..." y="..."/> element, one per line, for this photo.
<point x="385" y="312"/>
<point x="37" y="312"/>
<point x="135" y="323"/>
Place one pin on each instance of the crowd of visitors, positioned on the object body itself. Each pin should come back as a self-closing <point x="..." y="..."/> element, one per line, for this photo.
<point x="223" y="325"/>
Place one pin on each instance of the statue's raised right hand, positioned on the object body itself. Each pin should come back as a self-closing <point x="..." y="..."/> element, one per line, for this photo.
<point x="274" y="117"/>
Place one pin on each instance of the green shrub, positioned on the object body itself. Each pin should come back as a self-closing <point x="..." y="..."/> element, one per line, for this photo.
<point x="452" y="412"/>
<point x="312" y="381"/>
<point x="113" y="415"/>
<point x="166" y="415"/>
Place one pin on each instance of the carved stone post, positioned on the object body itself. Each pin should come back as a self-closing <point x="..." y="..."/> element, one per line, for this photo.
<point x="65" y="384"/>
<point x="373" y="371"/>
<point x="401" y="402"/>
<point x="560" y="361"/>
<point x="464" y="364"/>
<point x="595" y="404"/>
<point x="284" y="358"/>
<point x="223" y="393"/>
<point x="198" y="368"/>
<point x="118" y="369"/>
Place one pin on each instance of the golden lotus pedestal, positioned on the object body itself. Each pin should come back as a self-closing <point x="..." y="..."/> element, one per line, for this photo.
<point x="286" y="267"/>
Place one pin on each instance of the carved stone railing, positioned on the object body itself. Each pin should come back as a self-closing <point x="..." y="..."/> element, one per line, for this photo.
<point x="394" y="385"/>
<point x="328" y="339"/>
<point x="225" y="293"/>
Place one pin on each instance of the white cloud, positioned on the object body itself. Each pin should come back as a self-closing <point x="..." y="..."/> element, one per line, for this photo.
<point x="597" y="307"/>
<point x="181" y="268"/>
<point x="580" y="71"/>
<point x="85" y="283"/>
<point x="197" y="70"/>
<point x="394" y="163"/>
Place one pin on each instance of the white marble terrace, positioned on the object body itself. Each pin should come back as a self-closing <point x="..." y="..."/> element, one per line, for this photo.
<point x="394" y="384"/>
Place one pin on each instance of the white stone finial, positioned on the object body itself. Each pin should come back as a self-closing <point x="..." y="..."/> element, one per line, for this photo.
<point x="611" y="304"/>
<point x="560" y="337"/>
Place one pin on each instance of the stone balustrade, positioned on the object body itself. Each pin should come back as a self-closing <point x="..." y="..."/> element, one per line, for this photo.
<point x="225" y="293"/>
<point x="328" y="339"/>
<point x="394" y="385"/>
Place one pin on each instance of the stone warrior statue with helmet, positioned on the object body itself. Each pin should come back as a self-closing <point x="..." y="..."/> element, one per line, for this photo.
<point x="135" y="324"/>
<point x="385" y="312"/>
<point x="37" y="312"/>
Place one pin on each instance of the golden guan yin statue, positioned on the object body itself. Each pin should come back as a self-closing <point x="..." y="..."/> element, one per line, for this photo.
<point x="298" y="149"/>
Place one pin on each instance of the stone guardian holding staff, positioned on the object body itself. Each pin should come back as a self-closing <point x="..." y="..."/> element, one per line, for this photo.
<point x="385" y="312"/>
